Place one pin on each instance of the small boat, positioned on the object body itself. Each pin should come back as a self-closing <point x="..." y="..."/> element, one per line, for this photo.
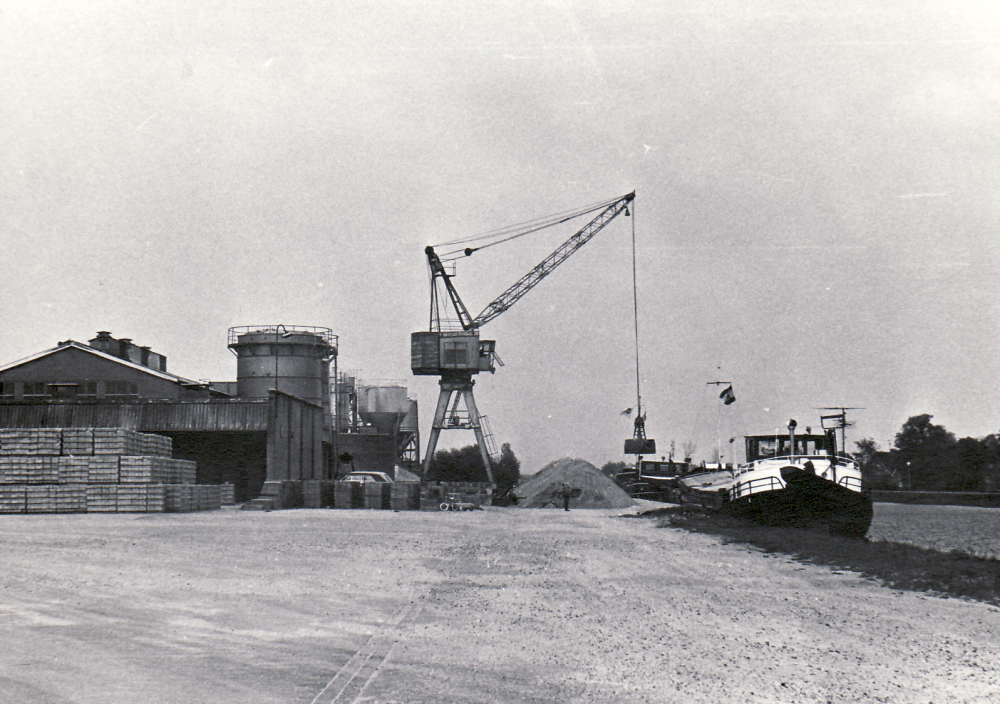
<point x="708" y="488"/>
<point x="801" y="480"/>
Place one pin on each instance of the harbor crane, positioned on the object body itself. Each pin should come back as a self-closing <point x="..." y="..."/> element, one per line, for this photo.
<point x="453" y="350"/>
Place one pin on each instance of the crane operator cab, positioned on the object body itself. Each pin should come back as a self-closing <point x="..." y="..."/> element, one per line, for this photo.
<point x="432" y="353"/>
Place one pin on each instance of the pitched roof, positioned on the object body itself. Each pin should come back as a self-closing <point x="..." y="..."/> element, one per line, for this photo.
<point x="72" y="344"/>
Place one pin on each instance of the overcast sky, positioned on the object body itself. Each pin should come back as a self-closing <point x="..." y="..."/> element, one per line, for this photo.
<point x="816" y="216"/>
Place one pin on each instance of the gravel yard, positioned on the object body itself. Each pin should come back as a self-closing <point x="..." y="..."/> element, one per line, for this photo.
<point x="508" y="605"/>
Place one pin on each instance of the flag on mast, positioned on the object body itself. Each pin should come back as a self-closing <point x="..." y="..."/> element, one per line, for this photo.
<point x="728" y="396"/>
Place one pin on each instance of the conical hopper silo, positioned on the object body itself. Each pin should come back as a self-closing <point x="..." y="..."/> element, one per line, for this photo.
<point x="383" y="406"/>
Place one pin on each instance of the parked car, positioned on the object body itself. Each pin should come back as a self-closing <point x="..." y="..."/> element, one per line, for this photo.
<point x="364" y="477"/>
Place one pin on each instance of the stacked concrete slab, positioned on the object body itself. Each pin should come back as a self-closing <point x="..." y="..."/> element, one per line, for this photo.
<point x="97" y="470"/>
<point x="348" y="495"/>
<point x="405" y="496"/>
<point x="434" y="495"/>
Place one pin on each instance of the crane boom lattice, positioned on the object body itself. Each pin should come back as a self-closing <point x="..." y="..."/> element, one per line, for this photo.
<point x="527" y="282"/>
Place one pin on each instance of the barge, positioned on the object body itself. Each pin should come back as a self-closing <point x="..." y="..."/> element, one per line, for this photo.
<point x="801" y="481"/>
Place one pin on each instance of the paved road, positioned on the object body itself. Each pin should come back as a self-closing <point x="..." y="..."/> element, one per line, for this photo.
<point x="317" y="607"/>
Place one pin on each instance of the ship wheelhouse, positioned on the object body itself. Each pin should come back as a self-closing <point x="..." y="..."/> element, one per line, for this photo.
<point x="767" y="447"/>
<point x="770" y="457"/>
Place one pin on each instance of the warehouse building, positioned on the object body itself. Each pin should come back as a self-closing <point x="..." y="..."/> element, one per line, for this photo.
<point x="279" y="421"/>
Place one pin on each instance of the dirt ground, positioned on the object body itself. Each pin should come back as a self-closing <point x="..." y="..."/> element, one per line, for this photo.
<point x="500" y="605"/>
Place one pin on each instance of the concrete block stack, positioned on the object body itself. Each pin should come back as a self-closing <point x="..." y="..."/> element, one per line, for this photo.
<point x="134" y="469"/>
<point x="12" y="498"/>
<point x="98" y="470"/>
<point x="431" y="496"/>
<point x="318" y="493"/>
<point x="405" y="496"/>
<point x="377" y="494"/>
<point x="348" y="495"/>
<point x="117" y="441"/>
<point x="434" y="494"/>
<point x="182" y="498"/>
<point x="78" y="441"/>
<point x="74" y="470"/>
<point x="102" y="498"/>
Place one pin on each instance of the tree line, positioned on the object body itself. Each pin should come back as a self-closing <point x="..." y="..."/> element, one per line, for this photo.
<point x="927" y="457"/>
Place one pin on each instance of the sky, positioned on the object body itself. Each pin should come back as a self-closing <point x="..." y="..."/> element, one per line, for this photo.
<point x="816" y="213"/>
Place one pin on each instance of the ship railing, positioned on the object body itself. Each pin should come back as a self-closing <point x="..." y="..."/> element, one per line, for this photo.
<point x="849" y="482"/>
<point x="842" y="460"/>
<point x="755" y="486"/>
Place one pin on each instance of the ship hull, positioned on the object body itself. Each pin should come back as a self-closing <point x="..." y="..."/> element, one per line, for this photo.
<point x="807" y="500"/>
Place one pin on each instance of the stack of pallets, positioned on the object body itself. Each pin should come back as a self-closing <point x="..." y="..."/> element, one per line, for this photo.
<point x="141" y="498"/>
<point x="13" y="498"/>
<point x="377" y="494"/>
<point x="434" y="494"/>
<point x="74" y="470"/>
<point x="180" y="498"/>
<point x="43" y="470"/>
<point x="102" y="498"/>
<point x="35" y="441"/>
<point x="101" y="470"/>
<point x="78" y="441"/>
<point x="40" y="498"/>
<point x="405" y="496"/>
<point x="134" y="469"/>
<point x="71" y="498"/>
<point x="13" y="470"/>
<point x="348" y="495"/>
<point x="153" y="445"/>
<point x="117" y="441"/>
<point x="54" y="498"/>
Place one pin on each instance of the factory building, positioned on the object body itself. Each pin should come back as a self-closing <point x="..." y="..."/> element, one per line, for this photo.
<point x="377" y="425"/>
<point x="281" y="420"/>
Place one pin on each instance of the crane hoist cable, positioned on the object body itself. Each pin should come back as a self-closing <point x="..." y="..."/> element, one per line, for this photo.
<point x="639" y="444"/>
<point x="635" y="312"/>
<point x="511" y="232"/>
<point x="516" y="291"/>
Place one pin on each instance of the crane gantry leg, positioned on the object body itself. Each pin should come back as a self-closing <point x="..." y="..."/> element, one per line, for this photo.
<point x="443" y="420"/>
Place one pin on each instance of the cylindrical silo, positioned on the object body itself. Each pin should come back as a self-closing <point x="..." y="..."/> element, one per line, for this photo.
<point x="288" y="358"/>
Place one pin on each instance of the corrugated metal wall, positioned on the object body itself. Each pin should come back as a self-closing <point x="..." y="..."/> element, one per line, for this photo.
<point x="217" y="415"/>
<point x="294" y="428"/>
<point x="294" y="439"/>
<point x="146" y="416"/>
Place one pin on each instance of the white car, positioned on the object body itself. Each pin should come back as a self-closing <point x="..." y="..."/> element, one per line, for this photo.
<point x="365" y="477"/>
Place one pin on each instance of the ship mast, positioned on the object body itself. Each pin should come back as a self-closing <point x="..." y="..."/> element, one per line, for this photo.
<point x="725" y="398"/>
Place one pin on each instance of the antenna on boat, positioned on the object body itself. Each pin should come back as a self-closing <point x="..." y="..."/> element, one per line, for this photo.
<point x="837" y="421"/>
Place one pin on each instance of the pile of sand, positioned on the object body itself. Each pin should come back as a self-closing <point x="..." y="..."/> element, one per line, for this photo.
<point x="595" y="490"/>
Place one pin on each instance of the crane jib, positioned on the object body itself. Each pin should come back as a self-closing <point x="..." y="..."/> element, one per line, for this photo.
<point x="509" y="297"/>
